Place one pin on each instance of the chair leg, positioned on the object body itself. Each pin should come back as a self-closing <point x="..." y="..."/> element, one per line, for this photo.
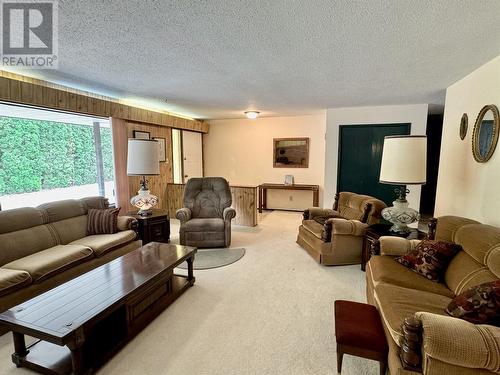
<point x="383" y="367"/>
<point x="340" y="355"/>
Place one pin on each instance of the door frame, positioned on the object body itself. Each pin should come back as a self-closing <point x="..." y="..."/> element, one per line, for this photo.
<point x="339" y="153"/>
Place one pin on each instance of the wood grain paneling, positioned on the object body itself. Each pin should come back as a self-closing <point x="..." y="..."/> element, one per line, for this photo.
<point x="120" y="141"/>
<point x="25" y="90"/>
<point x="175" y="194"/>
<point x="157" y="184"/>
<point x="244" y="202"/>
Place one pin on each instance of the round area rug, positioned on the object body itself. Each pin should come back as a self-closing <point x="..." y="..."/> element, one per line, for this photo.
<point x="214" y="258"/>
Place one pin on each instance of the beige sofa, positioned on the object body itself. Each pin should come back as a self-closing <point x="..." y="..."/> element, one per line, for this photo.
<point x="335" y="236"/>
<point x="45" y="246"/>
<point x="448" y="345"/>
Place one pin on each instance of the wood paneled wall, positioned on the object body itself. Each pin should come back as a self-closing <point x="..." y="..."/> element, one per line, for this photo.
<point x="25" y="90"/>
<point x="244" y="202"/>
<point x="157" y="184"/>
<point x="125" y="186"/>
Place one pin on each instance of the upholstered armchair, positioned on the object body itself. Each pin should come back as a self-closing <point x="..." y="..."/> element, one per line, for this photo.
<point x="207" y="213"/>
<point x="335" y="236"/>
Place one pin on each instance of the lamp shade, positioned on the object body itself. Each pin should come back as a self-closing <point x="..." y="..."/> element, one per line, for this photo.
<point x="142" y="158"/>
<point x="404" y="160"/>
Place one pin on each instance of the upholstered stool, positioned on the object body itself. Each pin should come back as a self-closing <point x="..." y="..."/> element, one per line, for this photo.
<point x="359" y="332"/>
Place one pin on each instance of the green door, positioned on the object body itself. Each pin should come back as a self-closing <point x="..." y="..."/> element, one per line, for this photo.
<point x="360" y="154"/>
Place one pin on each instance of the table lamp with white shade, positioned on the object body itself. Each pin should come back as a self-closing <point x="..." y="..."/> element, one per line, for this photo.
<point x="142" y="160"/>
<point x="404" y="162"/>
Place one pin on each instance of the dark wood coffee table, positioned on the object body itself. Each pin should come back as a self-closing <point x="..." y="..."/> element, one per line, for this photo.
<point x="83" y="322"/>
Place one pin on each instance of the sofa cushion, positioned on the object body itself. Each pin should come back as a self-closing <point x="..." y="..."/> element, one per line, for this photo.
<point x="479" y="304"/>
<point x="396" y="303"/>
<point x="385" y="269"/>
<point x="430" y="258"/>
<point x="103" y="243"/>
<point x="49" y="262"/>
<point x="204" y="225"/>
<point x="465" y="272"/>
<point x="21" y="243"/>
<point x="64" y="209"/>
<point x="21" y="218"/>
<point x="71" y="229"/>
<point x="471" y="267"/>
<point x="11" y="280"/>
<point x="104" y="221"/>
<point x="314" y="228"/>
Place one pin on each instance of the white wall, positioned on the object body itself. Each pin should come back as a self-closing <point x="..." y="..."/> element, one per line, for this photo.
<point x="241" y="150"/>
<point x="465" y="187"/>
<point x="414" y="114"/>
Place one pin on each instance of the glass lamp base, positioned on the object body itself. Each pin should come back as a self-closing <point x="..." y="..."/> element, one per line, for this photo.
<point x="400" y="215"/>
<point x="144" y="201"/>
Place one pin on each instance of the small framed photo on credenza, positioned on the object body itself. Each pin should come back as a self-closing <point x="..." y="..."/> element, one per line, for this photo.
<point x="162" y="151"/>
<point x="139" y="134"/>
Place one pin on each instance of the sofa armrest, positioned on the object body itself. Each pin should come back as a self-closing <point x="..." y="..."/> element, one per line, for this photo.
<point x="339" y="226"/>
<point x="229" y="214"/>
<point x="396" y="246"/>
<point x="313" y="212"/>
<point x="459" y="343"/>
<point x="127" y="223"/>
<point x="348" y="227"/>
<point x="183" y="214"/>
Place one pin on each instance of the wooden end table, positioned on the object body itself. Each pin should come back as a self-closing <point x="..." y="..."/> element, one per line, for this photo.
<point x="154" y="227"/>
<point x="374" y="232"/>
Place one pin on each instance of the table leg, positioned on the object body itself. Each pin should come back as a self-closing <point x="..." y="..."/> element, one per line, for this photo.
<point x="316" y="198"/>
<point x="19" y="348"/>
<point x="260" y="199"/>
<point x="76" y="345"/>
<point x="191" y="277"/>
<point x="264" y="199"/>
<point x="77" y="360"/>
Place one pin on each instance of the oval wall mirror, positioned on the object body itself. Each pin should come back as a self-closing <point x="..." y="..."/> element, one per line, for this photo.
<point x="464" y="124"/>
<point x="485" y="134"/>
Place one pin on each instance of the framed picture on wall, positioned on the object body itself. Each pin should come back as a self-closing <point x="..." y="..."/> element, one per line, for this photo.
<point x="291" y="153"/>
<point x="162" y="151"/>
<point x="139" y="134"/>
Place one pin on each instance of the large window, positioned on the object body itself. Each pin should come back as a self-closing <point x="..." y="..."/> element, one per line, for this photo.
<point x="47" y="156"/>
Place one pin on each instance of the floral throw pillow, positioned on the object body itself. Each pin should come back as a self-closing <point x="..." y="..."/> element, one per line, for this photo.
<point x="430" y="258"/>
<point x="479" y="304"/>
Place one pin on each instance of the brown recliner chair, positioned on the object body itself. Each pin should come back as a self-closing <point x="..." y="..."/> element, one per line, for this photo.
<point x="335" y="236"/>
<point x="207" y="213"/>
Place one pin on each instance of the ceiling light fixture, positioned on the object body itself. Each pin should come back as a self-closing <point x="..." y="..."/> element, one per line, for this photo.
<point x="252" y="115"/>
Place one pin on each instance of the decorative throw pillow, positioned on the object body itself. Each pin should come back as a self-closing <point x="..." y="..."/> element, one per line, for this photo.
<point x="430" y="258"/>
<point x="102" y="221"/>
<point x="479" y="304"/>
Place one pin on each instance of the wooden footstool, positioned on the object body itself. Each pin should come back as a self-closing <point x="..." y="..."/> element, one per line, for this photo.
<point x="359" y="332"/>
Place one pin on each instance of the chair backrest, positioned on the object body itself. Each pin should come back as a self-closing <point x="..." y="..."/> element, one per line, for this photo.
<point x="479" y="262"/>
<point x="360" y="207"/>
<point x="207" y="197"/>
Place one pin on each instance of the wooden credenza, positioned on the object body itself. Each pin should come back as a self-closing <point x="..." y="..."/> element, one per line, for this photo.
<point x="244" y="202"/>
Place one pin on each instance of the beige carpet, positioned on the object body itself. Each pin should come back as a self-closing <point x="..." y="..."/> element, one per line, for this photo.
<point x="269" y="313"/>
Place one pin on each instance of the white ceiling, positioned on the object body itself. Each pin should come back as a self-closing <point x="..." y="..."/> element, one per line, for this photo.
<point x="216" y="59"/>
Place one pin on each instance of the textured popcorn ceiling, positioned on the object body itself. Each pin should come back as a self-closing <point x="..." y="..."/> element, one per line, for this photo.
<point x="215" y="59"/>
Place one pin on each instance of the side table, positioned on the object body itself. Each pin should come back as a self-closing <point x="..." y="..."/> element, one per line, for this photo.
<point x="154" y="227"/>
<point x="374" y="232"/>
